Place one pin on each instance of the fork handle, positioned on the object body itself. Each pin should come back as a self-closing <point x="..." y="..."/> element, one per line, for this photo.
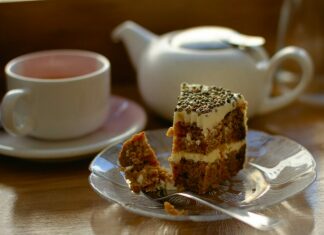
<point x="255" y="220"/>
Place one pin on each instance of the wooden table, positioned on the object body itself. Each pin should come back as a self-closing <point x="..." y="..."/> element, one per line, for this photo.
<point x="55" y="198"/>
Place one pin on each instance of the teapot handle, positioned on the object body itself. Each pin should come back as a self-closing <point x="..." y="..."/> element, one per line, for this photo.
<point x="304" y="61"/>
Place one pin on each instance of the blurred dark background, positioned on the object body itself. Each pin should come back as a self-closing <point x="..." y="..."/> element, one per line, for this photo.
<point x="87" y="24"/>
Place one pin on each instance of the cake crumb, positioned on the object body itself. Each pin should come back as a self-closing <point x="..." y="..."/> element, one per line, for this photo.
<point x="171" y="210"/>
<point x="170" y="132"/>
<point x="142" y="169"/>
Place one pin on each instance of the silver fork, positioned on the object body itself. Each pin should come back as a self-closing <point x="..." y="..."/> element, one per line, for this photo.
<point x="255" y="220"/>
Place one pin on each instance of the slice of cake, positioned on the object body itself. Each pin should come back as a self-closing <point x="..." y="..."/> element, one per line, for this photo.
<point x="209" y="130"/>
<point x="142" y="170"/>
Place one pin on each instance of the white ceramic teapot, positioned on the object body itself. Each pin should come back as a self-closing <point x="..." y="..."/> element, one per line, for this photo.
<point x="211" y="56"/>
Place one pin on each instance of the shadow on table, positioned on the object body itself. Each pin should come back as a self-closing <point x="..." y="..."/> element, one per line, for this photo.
<point x="115" y="220"/>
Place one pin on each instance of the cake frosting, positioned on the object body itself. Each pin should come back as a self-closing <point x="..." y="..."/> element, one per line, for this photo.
<point x="210" y="157"/>
<point x="205" y="106"/>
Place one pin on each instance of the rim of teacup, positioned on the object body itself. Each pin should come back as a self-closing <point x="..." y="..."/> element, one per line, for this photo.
<point x="104" y="64"/>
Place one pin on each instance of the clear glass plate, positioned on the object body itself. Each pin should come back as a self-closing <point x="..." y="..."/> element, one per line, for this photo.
<point x="276" y="168"/>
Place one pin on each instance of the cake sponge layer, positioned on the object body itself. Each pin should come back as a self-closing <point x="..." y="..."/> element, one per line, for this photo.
<point x="202" y="177"/>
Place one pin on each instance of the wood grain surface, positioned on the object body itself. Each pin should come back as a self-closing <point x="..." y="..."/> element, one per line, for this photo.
<point x="55" y="198"/>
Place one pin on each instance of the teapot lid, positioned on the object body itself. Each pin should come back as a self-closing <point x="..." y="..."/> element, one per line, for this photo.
<point x="213" y="38"/>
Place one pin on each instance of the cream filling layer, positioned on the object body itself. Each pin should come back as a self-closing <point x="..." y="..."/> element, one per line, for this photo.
<point x="210" y="157"/>
<point x="208" y="120"/>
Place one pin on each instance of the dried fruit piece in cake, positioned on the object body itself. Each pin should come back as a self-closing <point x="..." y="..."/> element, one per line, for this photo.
<point x="142" y="170"/>
<point x="209" y="130"/>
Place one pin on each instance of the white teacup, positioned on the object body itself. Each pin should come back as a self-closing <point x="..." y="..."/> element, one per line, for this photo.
<point x="56" y="94"/>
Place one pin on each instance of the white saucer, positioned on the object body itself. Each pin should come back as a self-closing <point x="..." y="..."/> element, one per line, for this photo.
<point x="126" y="118"/>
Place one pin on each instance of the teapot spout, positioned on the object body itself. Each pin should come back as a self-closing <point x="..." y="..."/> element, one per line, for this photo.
<point x="135" y="37"/>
